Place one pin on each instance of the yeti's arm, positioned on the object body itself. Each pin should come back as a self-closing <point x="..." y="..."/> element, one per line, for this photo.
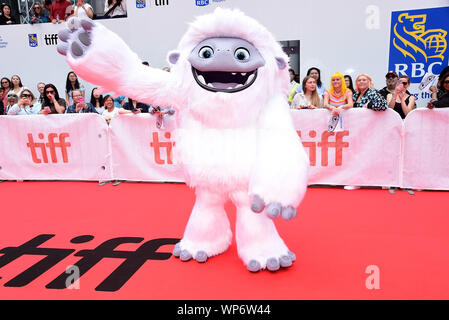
<point x="101" y="57"/>
<point x="279" y="179"/>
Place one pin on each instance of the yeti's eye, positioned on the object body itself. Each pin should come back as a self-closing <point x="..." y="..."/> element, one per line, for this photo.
<point x="241" y="54"/>
<point x="206" y="52"/>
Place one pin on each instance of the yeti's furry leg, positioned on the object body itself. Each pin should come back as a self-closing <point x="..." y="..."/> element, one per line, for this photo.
<point x="208" y="232"/>
<point x="258" y="242"/>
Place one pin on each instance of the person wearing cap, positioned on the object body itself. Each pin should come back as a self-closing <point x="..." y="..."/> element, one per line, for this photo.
<point x="12" y="99"/>
<point x="391" y="79"/>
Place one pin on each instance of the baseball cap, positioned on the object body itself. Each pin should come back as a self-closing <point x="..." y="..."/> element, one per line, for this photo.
<point x="391" y="73"/>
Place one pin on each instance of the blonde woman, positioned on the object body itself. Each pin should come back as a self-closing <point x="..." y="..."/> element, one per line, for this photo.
<point x="309" y="97"/>
<point x="338" y="97"/>
<point x="366" y="96"/>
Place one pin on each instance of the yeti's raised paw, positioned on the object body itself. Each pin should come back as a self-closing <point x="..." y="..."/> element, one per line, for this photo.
<point x="76" y="39"/>
<point x="273" y="264"/>
<point x="185" y="255"/>
<point x="273" y="209"/>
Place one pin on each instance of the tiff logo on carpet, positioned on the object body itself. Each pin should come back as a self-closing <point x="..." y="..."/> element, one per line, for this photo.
<point x="51" y="145"/>
<point x="132" y="260"/>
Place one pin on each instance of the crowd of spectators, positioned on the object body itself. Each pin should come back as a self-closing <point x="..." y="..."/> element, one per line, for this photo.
<point x="57" y="11"/>
<point x="16" y="99"/>
<point x="343" y="93"/>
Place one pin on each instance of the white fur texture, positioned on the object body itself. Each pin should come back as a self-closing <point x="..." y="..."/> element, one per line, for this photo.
<point x="231" y="146"/>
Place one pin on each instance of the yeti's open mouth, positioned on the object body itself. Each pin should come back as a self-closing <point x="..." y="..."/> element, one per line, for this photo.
<point x="222" y="81"/>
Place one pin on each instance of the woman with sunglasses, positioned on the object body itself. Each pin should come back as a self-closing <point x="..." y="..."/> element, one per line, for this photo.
<point x="53" y="104"/>
<point x="440" y="97"/>
<point x="5" y="88"/>
<point x="401" y="101"/>
<point x="38" y="15"/>
<point x="27" y="104"/>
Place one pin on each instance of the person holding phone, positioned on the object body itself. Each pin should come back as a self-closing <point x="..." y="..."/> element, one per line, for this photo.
<point x="400" y="100"/>
<point x="53" y="104"/>
<point x="26" y="105"/>
<point x="38" y="15"/>
<point x="79" y="104"/>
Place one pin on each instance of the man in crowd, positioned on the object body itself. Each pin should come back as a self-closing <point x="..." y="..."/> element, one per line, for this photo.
<point x="40" y="89"/>
<point x="391" y="79"/>
<point x="79" y="105"/>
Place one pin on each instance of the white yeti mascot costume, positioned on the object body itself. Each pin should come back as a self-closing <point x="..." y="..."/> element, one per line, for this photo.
<point x="234" y="139"/>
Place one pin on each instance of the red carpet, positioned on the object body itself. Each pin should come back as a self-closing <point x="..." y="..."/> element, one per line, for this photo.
<point x="336" y="236"/>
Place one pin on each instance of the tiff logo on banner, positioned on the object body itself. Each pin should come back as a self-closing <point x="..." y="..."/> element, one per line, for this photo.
<point x="51" y="39"/>
<point x="158" y="145"/>
<point x="161" y="2"/>
<point x="51" y="145"/>
<point x="325" y="145"/>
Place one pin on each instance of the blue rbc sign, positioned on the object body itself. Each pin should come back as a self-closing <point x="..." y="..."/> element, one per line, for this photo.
<point x="202" y="3"/>
<point x="140" y="4"/>
<point x="418" y="42"/>
<point x="32" y="40"/>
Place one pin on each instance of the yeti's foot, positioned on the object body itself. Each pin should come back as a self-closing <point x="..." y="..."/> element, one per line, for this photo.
<point x="187" y="250"/>
<point x="272" y="264"/>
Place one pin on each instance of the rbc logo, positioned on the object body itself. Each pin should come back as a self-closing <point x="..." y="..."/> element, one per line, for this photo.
<point x="418" y="42"/>
<point x="202" y="3"/>
<point x="140" y="4"/>
<point x="32" y="40"/>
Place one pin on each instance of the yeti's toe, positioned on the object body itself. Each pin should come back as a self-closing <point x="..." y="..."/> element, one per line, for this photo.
<point x="285" y="261"/>
<point x="177" y="250"/>
<point x="258" y="204"/>
<point x="185" y="255"/>
<point x="292" y="256"/>
<point x="273" y="210"/>
<point x="254" y="266"/>
<point x="273" y="264"/>
<point x="288" y="213"/>
<point x="201" y="256"/>
<point x="77" y="50"/>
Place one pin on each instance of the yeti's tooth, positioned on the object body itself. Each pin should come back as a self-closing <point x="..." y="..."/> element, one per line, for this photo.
<point x="243" y="73"/>
<point x="210" y="85"/>
<point x="201" y="78"/>
<point x="234" y="73"/>
<point x="250" y="78"/>
<point x="230" y="88"/>
<point x="238" y="86"/>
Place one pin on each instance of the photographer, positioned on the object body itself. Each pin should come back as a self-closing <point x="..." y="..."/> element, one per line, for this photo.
<point x="79" y="104"/>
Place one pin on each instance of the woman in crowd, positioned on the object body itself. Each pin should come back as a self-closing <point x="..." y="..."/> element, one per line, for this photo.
<point x="309" y="97"/>
<point x="348" y="82"/>
<point x="338" y="97"/>
<point x="111" y="111"/>
<point x="6" y="87"/>
<point x="83" y="10"/>
<point x="400" y="101"/>
<point x="115" y="8"/>
<point x="316" y="74"/>
<point x="53" y="104"/>
<point x="12" y="99"/>
<point x="27" y="104"/>
<point x="16" y="85"/>
<point x="5" y="17"/>
<point x="72" y="83"/>
<point x="440" y="95"/>
<point x="38" y="14"/>
<point x="366" y="96"/>
<point x="96" y="100"/>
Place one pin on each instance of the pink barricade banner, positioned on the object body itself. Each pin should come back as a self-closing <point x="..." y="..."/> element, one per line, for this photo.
<point x="54" y="147"/>
<point x="364" y="150"/>
<point x="426" y="149"/>
<point x="141" y="151"/>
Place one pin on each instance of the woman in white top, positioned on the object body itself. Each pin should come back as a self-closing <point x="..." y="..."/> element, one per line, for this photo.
<point x="17" y="86"/>
<point x="119" y="10"/>
<point x="83" y="10"/>
<point x="309" y="97"/>
<point x="111" y="111"/>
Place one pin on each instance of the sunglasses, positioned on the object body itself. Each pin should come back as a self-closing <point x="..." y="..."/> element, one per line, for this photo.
<point x="404" y="83"/>
<point x="446" y="81"/>
<point x="49" y="91"/>
<point x="5" y="82"/>
<point x="26" y="95"/>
